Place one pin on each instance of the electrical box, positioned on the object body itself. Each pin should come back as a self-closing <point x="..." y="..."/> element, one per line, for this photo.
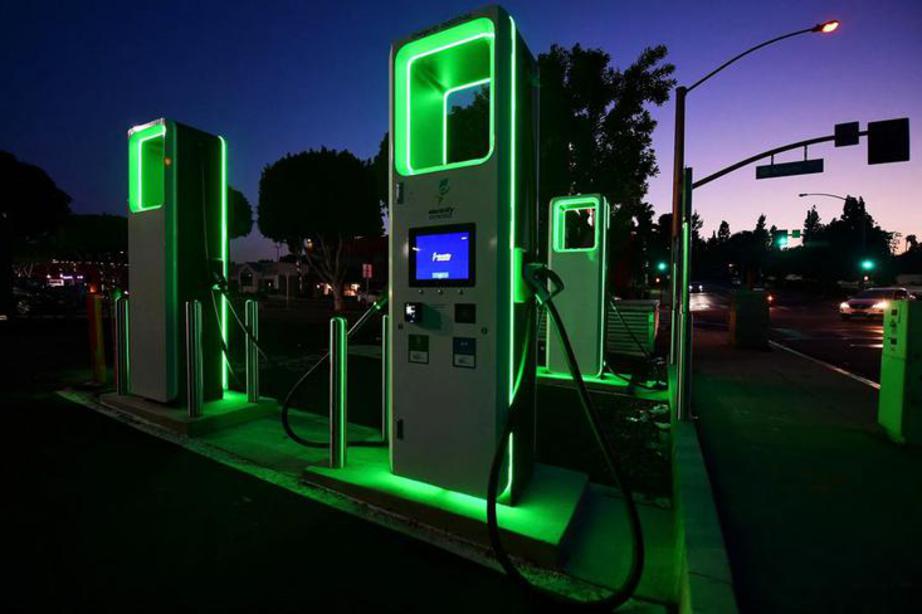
<point x="578" y="237"/>
<point x="899" y="409"/>
<point x="463" y="211"/>
<point x="177" y="242"/>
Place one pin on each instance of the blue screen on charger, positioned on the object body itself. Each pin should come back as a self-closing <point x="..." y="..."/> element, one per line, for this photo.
<point x="444" y="256"/>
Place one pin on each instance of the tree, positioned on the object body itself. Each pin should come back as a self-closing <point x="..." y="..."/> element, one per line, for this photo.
<point x="912" y="243"/>
<point x="316" y="202"/>
<point x="812" y="225"/>
<point x="596" y="136"/>
<point x="32" y="207"/>
<point x="723" y="232"/>
<point x="240" y="212"/>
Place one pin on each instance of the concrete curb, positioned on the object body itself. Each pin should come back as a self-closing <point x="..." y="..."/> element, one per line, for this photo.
<point x="703" y="568"/>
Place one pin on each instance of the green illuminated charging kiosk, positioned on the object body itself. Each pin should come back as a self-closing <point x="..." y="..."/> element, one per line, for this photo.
<point x="900" y="401"/>
<point x="177" y="241"/>
<point x="577" y="252"/>
<point x="462" y="208"/>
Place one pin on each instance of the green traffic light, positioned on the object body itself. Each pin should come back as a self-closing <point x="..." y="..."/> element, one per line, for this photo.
<point x="661" y="266"/>
<point x="867" y="264"/>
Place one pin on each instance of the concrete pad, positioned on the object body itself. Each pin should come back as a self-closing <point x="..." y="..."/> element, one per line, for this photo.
<point x="600" y="547"/>
<point x="534" y="529"/>
<point x="230" y="411"/>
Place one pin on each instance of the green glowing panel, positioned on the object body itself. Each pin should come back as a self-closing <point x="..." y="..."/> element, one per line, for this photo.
<point x="428" y="75"/>
<point x="146" y="161"/>
<point x="576" y="227"/>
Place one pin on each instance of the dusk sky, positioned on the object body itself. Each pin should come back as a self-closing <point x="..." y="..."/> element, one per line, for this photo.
<point x="280" y="77"/>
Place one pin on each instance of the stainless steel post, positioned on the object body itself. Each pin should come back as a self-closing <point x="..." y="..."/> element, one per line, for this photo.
<point x="194" y="373"/>
<point x="385" y="388"/>
<point x="683" y="329"/>
<point x="338" y="422"/>
<point x="251" y="319"/>
<point x="121" y="345"/>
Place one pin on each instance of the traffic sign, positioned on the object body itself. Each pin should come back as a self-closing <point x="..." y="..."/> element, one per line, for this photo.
<point x="786" y="169"/>
<point x="366" y="271"/>
<point x="888" y="141"/>
<point x="847" y="134"/>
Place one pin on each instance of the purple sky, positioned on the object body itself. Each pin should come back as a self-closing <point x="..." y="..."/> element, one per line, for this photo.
<point x="277" y="77"/>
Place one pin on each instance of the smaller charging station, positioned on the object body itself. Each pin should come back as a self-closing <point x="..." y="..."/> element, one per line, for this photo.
<point x="172" y="328"/>
<point x="900" y="402"/>
<point x="577" y="242"/>
<point x="177" y="241"/>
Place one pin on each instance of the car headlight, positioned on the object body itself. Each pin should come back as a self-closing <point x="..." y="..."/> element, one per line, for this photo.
<point x="882" y="305"/>
<point x="843" y="307"/>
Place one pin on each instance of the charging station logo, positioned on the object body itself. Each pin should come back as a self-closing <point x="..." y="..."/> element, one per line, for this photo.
<point x="440" y="212"/>
<point x="444" y="189"/>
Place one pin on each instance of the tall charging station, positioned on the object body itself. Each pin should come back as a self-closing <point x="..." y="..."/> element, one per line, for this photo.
<point x="463" y="128"/>
<point x="577" y="241"/>
<point x="177" y="243"/>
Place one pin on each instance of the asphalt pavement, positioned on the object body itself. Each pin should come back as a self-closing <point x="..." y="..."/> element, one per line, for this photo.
<point x="98" y="516"/>
<point x="809" y="325"/>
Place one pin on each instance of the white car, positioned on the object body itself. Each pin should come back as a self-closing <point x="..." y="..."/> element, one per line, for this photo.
<point x="872" y="303"/>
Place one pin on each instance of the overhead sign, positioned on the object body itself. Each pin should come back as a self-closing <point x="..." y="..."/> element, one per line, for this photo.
<point x="847" y="134"/>
<point x="888" y="141"/>
<point x="787" y="169"/>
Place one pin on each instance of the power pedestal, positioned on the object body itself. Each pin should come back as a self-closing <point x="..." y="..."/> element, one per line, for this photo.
<point x="463" y="217"/>
<point x="899" y="409"/>
<point x="577" y="252"/>
<point x="177" y="243"/>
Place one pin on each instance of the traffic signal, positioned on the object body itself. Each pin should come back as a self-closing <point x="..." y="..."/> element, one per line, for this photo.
<point x="867" y="264"/>
<point x="662" y="266"/>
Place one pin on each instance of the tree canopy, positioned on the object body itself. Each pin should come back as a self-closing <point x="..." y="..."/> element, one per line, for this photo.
<point x="240" y="213"/>
<point x="315" y="202"/>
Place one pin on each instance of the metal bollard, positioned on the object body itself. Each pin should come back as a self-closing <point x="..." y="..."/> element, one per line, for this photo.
<point x="96" y="338"/>
<point x="338" y="355"/>
<point x="385" y="384"/>
<point x="121" y="345"/>
<point x="251" y="319"/>
<point x="194" y="373"/>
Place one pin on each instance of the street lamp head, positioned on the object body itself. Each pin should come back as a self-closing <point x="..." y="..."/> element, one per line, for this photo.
<point x="802" y="194"/>
<point x="826" y="27"/>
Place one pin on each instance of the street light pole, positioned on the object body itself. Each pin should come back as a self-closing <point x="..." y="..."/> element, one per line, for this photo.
<point x="677" y="353"/>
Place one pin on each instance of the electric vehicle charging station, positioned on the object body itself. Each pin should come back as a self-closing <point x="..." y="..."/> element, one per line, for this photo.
<point x="900" y="402"/>
<point x="172" y="329"/>
<point x="577" y="251"/>
<point x="463" y="218"/>
<point x="177" y="241"/>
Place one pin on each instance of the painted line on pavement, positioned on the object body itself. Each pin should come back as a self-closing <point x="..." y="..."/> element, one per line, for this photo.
<point x="829" y="366"/>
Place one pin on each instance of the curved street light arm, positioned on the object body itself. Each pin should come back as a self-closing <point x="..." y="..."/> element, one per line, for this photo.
<point x="747" y="52"/>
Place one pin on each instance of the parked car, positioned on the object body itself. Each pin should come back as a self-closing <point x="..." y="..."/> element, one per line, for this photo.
<point x="872" y="303"/>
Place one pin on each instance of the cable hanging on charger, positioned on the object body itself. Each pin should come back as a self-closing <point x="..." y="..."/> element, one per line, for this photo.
<point x="537" y="277"/>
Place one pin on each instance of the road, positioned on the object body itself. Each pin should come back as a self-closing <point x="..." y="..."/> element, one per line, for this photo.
<point x="101" y="517"/>
<point x="810" y="326"/>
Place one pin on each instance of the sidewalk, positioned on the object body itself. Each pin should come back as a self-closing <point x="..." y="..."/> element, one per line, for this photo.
<point x="819" y="510"/>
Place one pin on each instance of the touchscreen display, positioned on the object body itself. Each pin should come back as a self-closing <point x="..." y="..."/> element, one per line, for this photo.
<point x="442" y="256"/>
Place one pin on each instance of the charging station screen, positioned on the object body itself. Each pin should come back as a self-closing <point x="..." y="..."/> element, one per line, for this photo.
<point x="442" y="256"/>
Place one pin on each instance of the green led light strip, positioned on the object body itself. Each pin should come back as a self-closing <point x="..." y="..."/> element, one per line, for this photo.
<point x="513" y="384"/>
<point x="465" y="33"/>
<point x="561" y="207"/>
<point x="223" y="189"/>
<point x="136" y="161"/>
